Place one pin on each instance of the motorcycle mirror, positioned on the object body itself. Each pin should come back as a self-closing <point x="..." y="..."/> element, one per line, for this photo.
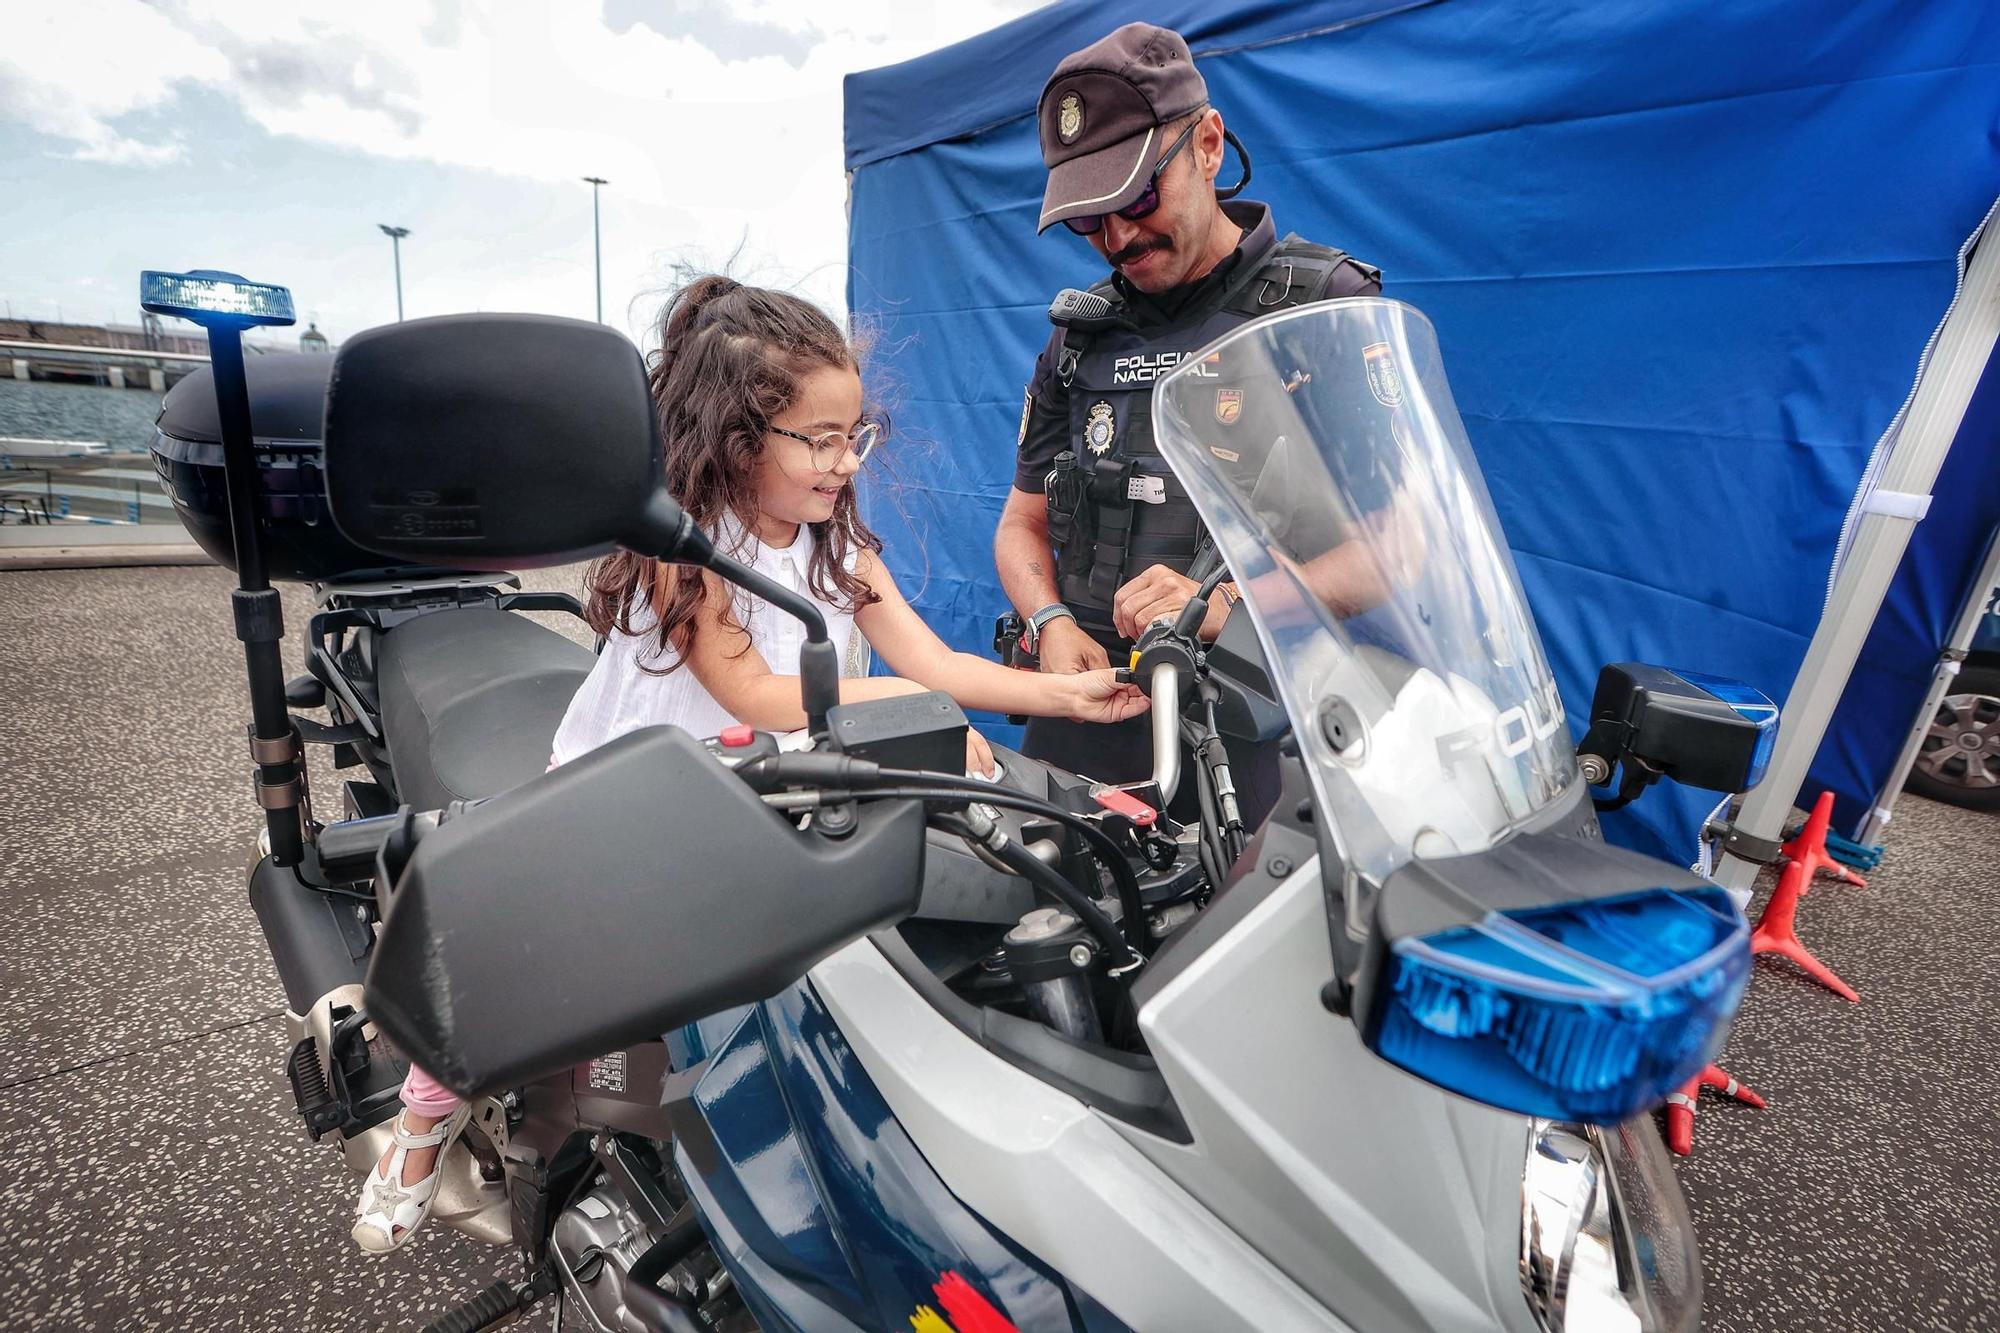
<point x="613" y="899"/>
<point x="523" y="440"/>
<point x="476" y="441"/>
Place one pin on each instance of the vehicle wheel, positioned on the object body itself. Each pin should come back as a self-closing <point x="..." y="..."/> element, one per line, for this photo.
<point x="1960" y="759"/>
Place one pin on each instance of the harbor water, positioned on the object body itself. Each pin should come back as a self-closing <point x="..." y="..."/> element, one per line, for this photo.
<point x="45" y="484"/>
<point x="121" y="418"/>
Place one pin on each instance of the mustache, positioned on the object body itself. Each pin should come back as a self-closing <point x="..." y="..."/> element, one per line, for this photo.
<point x="1138" y="248"/>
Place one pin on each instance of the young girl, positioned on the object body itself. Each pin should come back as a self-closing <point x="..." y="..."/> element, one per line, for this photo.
<point x="761" y="415"/>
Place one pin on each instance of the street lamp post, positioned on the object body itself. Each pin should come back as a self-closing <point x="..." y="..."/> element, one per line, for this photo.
<point x="597" y="241"/>
<point x="396" y="235"/>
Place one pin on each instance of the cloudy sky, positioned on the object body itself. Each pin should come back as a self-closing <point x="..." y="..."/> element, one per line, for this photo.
<point x="271" y="137"/>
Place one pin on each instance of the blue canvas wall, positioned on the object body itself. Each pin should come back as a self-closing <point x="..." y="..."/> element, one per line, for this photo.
<point x="1682" y="259"/>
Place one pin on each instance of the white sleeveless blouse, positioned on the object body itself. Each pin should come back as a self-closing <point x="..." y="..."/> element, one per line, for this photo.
<point x="620" y="695"/>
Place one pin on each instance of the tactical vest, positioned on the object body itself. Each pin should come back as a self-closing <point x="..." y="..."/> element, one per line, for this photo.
<point x="1115" y="507"/>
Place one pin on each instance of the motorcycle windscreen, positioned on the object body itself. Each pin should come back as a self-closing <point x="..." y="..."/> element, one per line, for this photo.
<point x="1324" y="452"/>
<point x="1534" y="973"/>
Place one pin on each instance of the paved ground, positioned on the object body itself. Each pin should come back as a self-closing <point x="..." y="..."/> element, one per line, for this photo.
<point x="153" y="1175"/>
<point x="1867" y="1194"/>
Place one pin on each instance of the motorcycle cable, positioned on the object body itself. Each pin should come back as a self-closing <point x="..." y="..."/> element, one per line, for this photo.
<point x="1130" y="901"/>
<point x="1214" y="757"/>
<point x="834" y="779"/>
<point x="1205" y="846"/>
<point x="1031" y="868"/>
<point x="1196" y="608"/>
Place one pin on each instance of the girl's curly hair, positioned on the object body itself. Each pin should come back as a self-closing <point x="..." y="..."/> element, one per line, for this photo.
<point x="730" y="360"/>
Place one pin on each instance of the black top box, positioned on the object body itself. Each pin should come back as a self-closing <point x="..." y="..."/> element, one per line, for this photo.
<point x="287" y="408"/>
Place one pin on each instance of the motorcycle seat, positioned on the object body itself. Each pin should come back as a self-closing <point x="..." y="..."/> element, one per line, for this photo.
<point x="470" y="701"/>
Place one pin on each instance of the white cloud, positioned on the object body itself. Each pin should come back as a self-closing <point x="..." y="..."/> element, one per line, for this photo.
<point x="71" y="71"/>
<point x="730" y="148"/>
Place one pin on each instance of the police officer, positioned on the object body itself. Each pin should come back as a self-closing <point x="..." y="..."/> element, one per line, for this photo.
<point x="1097" y="537"/>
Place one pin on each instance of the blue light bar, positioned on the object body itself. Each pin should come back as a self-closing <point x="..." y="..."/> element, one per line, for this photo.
<point x="212" y="298"/>
<point x="1592" y="1010"/>
<point x="1751" y="705"/>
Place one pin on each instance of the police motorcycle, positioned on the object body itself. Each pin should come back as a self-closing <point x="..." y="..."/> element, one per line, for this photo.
<point x="973" y="1056"/>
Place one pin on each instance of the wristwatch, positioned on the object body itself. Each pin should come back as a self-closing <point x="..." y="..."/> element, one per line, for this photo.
<point x="1041" y="619"/>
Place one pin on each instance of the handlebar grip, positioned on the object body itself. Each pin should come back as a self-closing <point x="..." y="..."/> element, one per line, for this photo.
<point x="1166" y="714"/>
<point x="347" y="850"/>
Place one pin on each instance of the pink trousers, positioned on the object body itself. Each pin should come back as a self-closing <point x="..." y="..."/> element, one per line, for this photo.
<point x="427" y="1097"/>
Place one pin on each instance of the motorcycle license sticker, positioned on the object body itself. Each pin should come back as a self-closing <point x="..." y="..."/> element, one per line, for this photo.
<point x="1099" y="427"/>
<point x="607" y="1073"/>
<point x="1384" y="380"/>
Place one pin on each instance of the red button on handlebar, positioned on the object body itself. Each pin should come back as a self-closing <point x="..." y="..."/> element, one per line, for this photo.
<point x="738" y="736"/>
<point x="1126" y="804"/>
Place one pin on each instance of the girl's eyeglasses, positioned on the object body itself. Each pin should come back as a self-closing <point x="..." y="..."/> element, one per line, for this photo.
<point x="825" y="449"/>
<point x="1149" y="198"/>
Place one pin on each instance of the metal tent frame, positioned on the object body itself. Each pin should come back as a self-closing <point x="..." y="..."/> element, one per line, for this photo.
<point x="1890" y="508"/>
<point x="1956" y="645"/>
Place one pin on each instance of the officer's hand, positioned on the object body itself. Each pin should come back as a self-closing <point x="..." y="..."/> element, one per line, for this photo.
<point x="1160" y="592"/>
<point x="1097" y="696"/>
<point x="1065" y="649"/>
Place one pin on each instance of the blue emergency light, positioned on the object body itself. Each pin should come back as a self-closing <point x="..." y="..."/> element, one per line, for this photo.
<point x="214" y="299"/>
<point x="1753" y="706"/>
<point x="1592" y="1010"/>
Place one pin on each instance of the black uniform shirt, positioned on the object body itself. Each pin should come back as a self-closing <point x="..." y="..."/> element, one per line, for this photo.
<point x="1045" y="415"/>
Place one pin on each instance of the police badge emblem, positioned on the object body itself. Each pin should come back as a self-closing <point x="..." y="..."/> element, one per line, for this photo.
<point x="1069" y="118"/>
<point x="1228" y="405"/>
<point x="1099" y="427"/>
<point x="1027" y="407"/>
<point x="1384" y="380"/>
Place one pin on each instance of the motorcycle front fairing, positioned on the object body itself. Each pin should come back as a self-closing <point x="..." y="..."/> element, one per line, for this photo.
<point x="1318" y="1184"/>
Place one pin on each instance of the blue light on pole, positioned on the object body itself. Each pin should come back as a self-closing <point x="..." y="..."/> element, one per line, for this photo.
<point x="214" y="299"/>
<point x="226" y="304"/>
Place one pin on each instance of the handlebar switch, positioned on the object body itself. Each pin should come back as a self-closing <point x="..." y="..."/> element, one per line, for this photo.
<point x="1161" y="647"/>
<point x="739" y="745"/>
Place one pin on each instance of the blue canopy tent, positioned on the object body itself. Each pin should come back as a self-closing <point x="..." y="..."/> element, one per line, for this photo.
<point x="1683" y="263"/>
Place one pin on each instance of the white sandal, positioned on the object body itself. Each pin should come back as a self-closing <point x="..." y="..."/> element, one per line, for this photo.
<point x="387" y="1205"/>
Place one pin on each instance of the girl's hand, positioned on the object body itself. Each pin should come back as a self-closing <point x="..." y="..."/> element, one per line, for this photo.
<point x="978" y="755"/>
<point x="1096" y="696"/>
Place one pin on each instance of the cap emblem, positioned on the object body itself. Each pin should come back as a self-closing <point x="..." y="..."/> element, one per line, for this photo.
<point x="1069" y="118"/>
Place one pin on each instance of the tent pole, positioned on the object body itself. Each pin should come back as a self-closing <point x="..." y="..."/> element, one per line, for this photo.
<point x="1964" y="345"/>
<point x="1956" y="644"/>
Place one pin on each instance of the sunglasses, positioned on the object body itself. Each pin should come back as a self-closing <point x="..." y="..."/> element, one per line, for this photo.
<point x="1149" y="198"/>
<point x="825" y="449"/>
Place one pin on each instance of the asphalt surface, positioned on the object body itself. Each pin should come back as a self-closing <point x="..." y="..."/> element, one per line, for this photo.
<point x="153" y="1171"/>
<point x="153" y="1174"/>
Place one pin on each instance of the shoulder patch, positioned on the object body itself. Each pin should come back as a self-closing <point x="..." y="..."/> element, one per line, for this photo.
<point x="1027" y="406"/>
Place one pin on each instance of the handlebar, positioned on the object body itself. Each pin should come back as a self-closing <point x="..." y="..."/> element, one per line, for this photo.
<point x="1178" y="638"/>
<point x="1166" y="712"/>
<point x="348" y="850"/>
